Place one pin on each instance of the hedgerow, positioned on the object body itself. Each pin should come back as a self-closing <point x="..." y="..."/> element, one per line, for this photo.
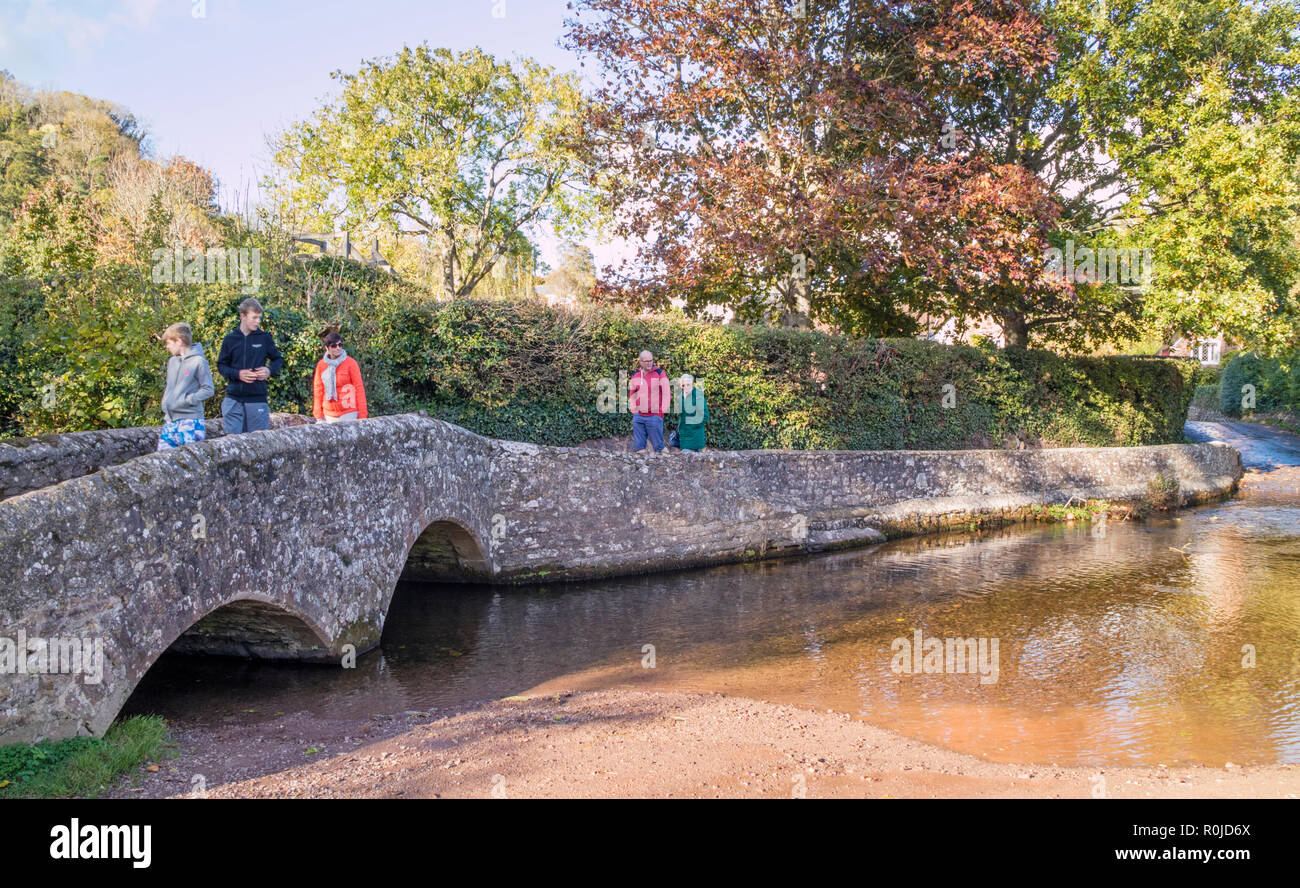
<point x="521" y="370"/>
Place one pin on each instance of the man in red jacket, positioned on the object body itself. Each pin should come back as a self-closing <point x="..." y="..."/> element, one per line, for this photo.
<point x="337" y="392"/>
<point x="648" y="396"/>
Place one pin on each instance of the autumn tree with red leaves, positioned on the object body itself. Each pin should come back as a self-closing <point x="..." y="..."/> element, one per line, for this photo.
<point x="794" y="155"/>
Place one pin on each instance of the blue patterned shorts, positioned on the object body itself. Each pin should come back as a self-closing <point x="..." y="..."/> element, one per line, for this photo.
<point x="182" y="431"/>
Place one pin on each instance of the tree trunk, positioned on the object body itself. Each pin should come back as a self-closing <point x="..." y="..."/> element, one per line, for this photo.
<point x="1015" y="330"/>
<point x="449" y="266"/>
<point x="797" y="311"/>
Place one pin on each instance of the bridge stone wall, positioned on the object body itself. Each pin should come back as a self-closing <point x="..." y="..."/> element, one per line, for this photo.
<point x="32" y="463"/>
<point x="569" y="513"/>
<point x="289" y="543"/>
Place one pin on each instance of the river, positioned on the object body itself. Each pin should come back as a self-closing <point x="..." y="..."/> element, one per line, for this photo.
<point x="1171" y="641"/>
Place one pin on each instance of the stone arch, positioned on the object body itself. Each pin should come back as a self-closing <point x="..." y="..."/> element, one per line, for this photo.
<point x="446" y="550"/>
<point x="267" y="622"/>
<point x="256" y="629"/>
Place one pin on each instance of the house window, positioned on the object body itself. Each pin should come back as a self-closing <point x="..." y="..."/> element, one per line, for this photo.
<point x="1207" y="351"/>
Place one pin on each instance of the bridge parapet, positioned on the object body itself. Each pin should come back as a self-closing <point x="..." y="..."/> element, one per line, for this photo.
<point x="34" y="463"/>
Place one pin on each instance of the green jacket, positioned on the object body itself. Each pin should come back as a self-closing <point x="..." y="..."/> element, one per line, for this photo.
<point x="690" y="426"/>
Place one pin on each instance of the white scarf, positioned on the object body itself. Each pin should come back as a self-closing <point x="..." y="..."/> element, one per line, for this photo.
<point x="331" y="369"/>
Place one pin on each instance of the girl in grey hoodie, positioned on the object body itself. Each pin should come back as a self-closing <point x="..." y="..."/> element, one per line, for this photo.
<point x="189" y="384"/>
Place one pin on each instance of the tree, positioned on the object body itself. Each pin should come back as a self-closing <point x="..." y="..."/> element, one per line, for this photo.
<point x="83" y="136"/>
<point x="759" y="147"/>
<point x="1159" y="125"/>
<point x="140" y="189"/>
<point x="23" y="167"/>
<point x="72" y="137"/>
<point x="462" y="150"/>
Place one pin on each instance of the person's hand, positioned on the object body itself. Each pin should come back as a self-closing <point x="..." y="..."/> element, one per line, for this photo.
<point x="263" y="373"/>
<point x="248" y="376"/>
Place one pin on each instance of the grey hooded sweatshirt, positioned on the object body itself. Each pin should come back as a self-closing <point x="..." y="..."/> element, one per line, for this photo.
<point x="189" y="384"/>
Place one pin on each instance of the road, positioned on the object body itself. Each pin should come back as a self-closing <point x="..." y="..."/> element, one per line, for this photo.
<point x="1263" y="448"/>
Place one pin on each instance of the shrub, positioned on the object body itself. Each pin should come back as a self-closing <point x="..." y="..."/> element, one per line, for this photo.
<point x="1206" y="397"/>
<point x="1275" y="379"/>
<point x="517" y="369"/>
<point x="82" y="353"/>
<point x="1162" y="492"/>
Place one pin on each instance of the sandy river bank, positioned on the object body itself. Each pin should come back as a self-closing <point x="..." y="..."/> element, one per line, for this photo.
<point x="622" y="743"/>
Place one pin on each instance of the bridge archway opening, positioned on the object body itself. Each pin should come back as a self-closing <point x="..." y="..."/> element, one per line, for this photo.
<point x="252" y="630"/>
<point x="240" y="651"/>
<point x="445" y="552"/>
<point x="440" y="595"/>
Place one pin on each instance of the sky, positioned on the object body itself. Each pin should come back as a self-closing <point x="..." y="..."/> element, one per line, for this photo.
<point x="211" y="79"/>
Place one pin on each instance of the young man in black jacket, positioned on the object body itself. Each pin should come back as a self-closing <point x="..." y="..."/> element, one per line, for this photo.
<point x="248" y="359"/>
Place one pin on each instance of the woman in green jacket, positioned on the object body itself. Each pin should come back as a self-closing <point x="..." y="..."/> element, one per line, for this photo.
<point x="695" y="413"/>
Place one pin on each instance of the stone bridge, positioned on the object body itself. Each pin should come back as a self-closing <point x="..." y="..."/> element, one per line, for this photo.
<point x="289" y="543"/>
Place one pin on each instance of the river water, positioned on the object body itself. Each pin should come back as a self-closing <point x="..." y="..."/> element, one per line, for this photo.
<point x="1176" y="640"/>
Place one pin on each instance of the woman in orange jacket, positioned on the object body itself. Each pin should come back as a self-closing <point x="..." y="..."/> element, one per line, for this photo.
<point x="337" y="390"/>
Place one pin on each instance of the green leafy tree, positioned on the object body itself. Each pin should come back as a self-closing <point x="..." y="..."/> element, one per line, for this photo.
<point x="23" y="166"/>
<point x="1159" y="125"/>
<point x="462" y="150"/>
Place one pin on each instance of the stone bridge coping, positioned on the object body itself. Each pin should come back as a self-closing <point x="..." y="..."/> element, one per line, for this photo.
<point x="33" y="463"/>
<point x="89" y="446"/>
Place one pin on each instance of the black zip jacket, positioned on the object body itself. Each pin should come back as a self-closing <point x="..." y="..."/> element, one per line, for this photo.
<point x="240" y="352"/>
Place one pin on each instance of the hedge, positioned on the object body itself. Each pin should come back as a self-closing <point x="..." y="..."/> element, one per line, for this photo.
<point x="1206" y="397"/>
<point x="518" y="369"/>
<point x="523" y="371"/>
<point x="1275" y="380"/>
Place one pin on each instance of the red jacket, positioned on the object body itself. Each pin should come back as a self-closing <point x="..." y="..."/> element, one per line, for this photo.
<point x="347" y="382"/>
<point x="649" y="393"/>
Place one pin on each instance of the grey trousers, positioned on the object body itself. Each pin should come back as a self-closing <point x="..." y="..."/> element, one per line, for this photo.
<point x="237" y="417"/>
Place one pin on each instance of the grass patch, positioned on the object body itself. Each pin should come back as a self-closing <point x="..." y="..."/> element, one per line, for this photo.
<point x="1087" y="511"/>
<point x="82" y="767"/>
<point x="1162" y="492"/>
